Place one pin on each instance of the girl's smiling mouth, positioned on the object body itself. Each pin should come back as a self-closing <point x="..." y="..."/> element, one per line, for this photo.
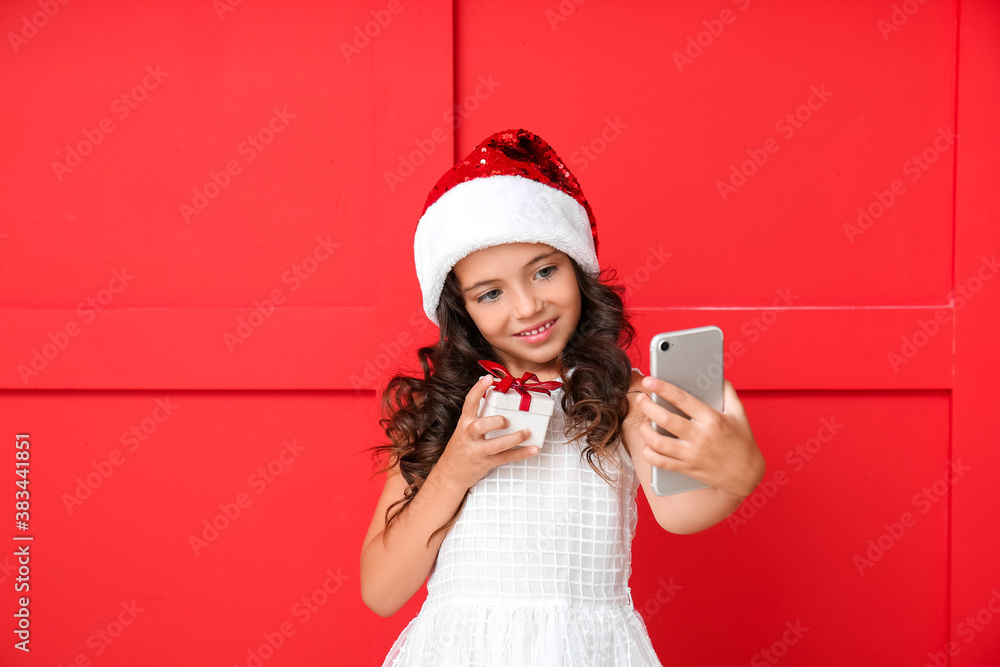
<point x="538" y="333"/>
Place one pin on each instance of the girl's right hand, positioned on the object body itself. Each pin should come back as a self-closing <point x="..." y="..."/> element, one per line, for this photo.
<point x="469" y="456"/>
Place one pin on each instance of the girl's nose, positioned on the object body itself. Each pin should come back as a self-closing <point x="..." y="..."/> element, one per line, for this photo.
<point x="527" y="304"/>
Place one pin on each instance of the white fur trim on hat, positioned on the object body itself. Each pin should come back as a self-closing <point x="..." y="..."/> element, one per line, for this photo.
<point x="493" y="210"/>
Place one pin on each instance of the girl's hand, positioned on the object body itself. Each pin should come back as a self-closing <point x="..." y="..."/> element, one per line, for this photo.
<point x="716" y="448"/>
<point x="469" y="455"/>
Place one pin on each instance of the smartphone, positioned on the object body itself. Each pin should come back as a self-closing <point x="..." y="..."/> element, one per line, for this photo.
<point x="692" y="359"/>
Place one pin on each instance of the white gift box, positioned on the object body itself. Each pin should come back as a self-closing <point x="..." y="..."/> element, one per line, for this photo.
<point x="508" y="404"/>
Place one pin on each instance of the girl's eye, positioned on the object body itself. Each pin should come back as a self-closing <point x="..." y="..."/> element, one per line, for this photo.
<point x="483" y="298"/>
<point x="544" y="273"/>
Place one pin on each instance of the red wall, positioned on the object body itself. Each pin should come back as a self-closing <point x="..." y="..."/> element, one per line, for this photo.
<point x="206" y="272"/>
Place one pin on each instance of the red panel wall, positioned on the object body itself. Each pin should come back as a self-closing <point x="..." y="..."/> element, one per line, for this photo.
<point x="206" y="274"/>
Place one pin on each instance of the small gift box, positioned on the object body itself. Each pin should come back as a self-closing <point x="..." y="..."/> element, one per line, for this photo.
<point x="524" y="401"/>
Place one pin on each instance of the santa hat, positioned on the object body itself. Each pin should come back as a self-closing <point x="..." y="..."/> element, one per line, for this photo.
<point x="511" y="188"/>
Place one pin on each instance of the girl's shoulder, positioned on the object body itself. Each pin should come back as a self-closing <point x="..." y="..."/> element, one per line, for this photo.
<point x="635" y="416"/>
<point x="634" y="387"/>
<point x="635" y="384"/>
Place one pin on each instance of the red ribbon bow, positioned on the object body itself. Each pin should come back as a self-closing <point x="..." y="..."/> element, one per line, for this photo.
<point x="524" y="385"/>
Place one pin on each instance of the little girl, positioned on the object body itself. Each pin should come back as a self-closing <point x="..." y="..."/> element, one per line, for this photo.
<point x="528" y="549"/>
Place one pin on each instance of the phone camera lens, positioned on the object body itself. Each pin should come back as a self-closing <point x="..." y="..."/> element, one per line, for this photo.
<point x="664" y="345"/>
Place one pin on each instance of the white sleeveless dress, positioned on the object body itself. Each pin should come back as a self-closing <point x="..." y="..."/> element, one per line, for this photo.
<point x="535" y="570"/>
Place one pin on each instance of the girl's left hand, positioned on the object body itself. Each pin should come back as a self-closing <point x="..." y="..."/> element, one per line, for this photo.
<point x="716" y="448"/>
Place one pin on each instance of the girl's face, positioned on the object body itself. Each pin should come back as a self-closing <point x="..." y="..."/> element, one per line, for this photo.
<point x="513" y="289"/>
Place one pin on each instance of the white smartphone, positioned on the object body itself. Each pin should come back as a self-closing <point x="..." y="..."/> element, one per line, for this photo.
<point x="692" y="359"/>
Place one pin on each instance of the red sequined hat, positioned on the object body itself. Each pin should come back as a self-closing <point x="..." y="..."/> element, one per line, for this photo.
<point x="511" y="188"/>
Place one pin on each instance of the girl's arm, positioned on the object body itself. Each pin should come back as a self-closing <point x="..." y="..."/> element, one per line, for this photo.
<point x="395" y="563"/>
<point x="716" y="448"/>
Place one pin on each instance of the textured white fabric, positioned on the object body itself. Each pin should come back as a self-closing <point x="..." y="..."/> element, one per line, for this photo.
<point x="485" y="212"/>
<point x="535" y="570"/>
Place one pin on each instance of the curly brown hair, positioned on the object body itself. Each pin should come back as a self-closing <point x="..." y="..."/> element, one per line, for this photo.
<point x="420" y="414"/>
